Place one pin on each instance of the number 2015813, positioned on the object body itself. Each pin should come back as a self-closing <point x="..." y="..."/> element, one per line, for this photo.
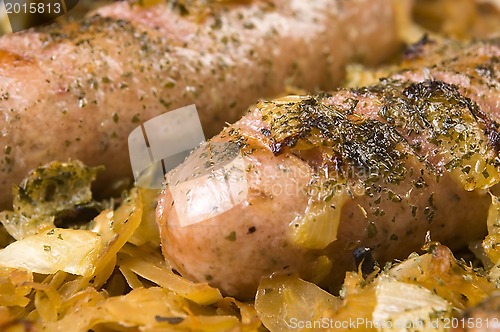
<point x="33" y="8"/>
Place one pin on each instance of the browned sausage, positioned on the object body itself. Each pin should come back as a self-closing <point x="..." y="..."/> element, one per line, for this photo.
<point x="374" y="167"/>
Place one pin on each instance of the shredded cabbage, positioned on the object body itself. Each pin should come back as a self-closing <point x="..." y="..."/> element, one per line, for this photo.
<point x="49" y="192"/>
<point x="72" y="251"/>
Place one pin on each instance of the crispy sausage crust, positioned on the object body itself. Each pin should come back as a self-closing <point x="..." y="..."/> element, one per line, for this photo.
<point x="415" y="153"/>
<point x="77" y="91"/>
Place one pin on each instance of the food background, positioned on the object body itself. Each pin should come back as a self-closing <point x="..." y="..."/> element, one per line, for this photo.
<point x="441" y="287"/>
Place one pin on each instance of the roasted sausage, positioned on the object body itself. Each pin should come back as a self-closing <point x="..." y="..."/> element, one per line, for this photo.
<point x="78" y="90"/>
<point x="375" y="167"/>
